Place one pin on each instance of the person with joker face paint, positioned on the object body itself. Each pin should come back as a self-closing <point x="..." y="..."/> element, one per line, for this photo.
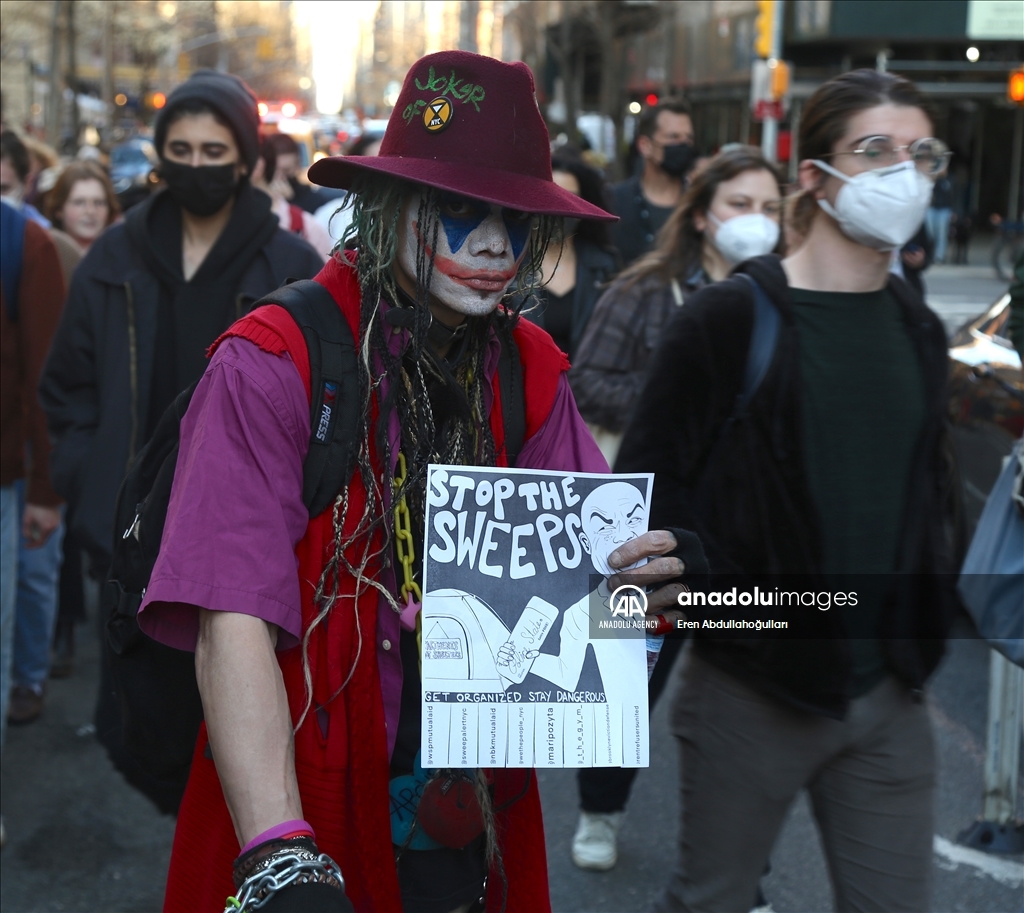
<point x="304" y="627"/>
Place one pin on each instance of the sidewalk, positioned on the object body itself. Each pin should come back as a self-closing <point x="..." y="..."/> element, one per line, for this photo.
<point x="958" y="293"/>
<point x="78" y="837"/>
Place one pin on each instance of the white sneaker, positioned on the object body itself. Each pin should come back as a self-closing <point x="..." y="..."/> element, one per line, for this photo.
<point x="594" y="847"/>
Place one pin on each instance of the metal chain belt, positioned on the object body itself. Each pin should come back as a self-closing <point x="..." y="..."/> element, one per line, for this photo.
<point x="281" y="871"/>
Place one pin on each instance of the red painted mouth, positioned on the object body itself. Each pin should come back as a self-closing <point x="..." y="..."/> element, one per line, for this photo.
<point x="483" y="280"/>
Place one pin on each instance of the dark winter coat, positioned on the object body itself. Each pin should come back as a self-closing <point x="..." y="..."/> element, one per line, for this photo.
<point x="595" y="268"/>
<point x="96" y="387"/>
<point x="745" y="492"/>
<point x="610" y="365"/>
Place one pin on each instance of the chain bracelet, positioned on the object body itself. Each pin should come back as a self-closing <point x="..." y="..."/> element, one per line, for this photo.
<point x="280" y="872"/>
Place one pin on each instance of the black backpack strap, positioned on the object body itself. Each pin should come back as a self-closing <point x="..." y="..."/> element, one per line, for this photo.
<point x="763" y="338"/>
<point x="334" y="404"/>
<point x="513" y="395"/>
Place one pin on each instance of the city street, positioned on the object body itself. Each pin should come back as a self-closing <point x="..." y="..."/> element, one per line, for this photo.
<point x="406" y="180"/>
<point x="958" y="293"/>
<point x="80" y="839"/>
<point x="798" y="882"/>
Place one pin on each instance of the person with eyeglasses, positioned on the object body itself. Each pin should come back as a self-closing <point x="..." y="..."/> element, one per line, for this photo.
<point x="831" y="478"/>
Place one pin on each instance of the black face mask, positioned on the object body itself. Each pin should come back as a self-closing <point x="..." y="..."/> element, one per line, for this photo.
<point x="678" y="158"/>
<point x="202" y="191"/>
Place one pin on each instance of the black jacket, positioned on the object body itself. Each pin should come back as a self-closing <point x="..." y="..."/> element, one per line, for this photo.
<point x="639" y="220"/>
<point x="920" y="241"/>
<point x="97" y="382"/>
<point x="611" y="363"/>
<point x="595" y="268"/>
<point x="744" y="490"/>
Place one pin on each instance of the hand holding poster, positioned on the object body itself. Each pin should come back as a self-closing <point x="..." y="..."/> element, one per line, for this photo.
<point x="522" y="666"/>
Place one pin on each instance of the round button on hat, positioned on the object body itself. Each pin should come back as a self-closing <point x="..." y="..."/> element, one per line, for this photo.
<point x="470" y="125"/>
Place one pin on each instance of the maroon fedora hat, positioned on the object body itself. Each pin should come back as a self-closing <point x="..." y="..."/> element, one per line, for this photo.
<point x="470" y="125"/>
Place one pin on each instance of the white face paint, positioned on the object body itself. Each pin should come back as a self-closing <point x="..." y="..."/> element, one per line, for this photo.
<point x="479" y="249"/>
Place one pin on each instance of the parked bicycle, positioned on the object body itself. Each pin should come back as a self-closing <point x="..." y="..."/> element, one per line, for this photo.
<point x="1007" y="246"/>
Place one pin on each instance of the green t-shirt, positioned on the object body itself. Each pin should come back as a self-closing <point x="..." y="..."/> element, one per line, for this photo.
<point x="863" y="404"/>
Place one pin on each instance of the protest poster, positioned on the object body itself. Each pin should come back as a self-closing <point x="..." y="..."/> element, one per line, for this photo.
<point x="521" y="664"/>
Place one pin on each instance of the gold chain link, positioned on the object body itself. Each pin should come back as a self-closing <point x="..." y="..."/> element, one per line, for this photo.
<point x="404" y="544"/>
<point x="406" y="550"/>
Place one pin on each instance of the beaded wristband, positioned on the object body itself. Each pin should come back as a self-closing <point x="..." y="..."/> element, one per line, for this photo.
<point x="283" y="868"/>
<point x="282" y="831"/>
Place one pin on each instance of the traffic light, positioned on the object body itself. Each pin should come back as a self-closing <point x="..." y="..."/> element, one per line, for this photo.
<point x="1015" y="87"/>
<point x="763" y="28"/>
<point x="779" y="76"/>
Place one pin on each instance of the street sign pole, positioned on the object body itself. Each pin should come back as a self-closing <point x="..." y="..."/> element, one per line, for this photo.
<point x="1013" y="204"/>
<point x="998" y="831"/>
<point x="770" y="128"/>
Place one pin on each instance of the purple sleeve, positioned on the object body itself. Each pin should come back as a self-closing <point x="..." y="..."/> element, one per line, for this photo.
<point x="563" y="441"/>
<point x="236" y="511"/>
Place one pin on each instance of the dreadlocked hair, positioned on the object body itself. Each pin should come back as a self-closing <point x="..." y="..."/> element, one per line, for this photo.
<point x="376" y="207"/>
<point x="522" y="293"/>
<point x="410" y="381"/>
<point x="521" y="297"/>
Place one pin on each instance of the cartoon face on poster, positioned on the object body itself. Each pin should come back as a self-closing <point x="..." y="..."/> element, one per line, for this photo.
<point x="522" y="666"/>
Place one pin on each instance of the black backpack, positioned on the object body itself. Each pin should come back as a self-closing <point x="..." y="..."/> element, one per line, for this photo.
<point x="159" y="702"/>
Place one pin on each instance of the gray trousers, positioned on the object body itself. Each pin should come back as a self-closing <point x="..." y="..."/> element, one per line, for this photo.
<point x="744" y="758"/>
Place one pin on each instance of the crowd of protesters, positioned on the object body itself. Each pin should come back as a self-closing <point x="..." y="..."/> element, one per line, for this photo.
<point x="107" y="316"/>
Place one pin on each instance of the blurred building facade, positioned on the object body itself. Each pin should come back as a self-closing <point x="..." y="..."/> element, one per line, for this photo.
<point x="262" y="46"/>
<point x="601" y="56"/>
<point x="402" y="31"/>
<point x="110" y="63"/>
<point x="593" y="58"/>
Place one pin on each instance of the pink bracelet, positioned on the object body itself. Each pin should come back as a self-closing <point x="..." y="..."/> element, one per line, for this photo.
<point x="281" y="831"/>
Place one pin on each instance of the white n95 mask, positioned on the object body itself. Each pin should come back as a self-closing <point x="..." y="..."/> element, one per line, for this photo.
<point x="743" y="237"/>
<point x="882" y="208"/>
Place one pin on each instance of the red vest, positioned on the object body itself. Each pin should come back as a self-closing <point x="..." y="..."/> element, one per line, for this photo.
<point x="343" y="775"/>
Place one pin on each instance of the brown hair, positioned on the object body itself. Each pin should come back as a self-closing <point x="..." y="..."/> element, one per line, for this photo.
<point x="679" y="245"/>
<point x="648" y="123"/>
<point x="16" y="152"/>
<point x="825" y="117"/>
<point x="75" y="172"/>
